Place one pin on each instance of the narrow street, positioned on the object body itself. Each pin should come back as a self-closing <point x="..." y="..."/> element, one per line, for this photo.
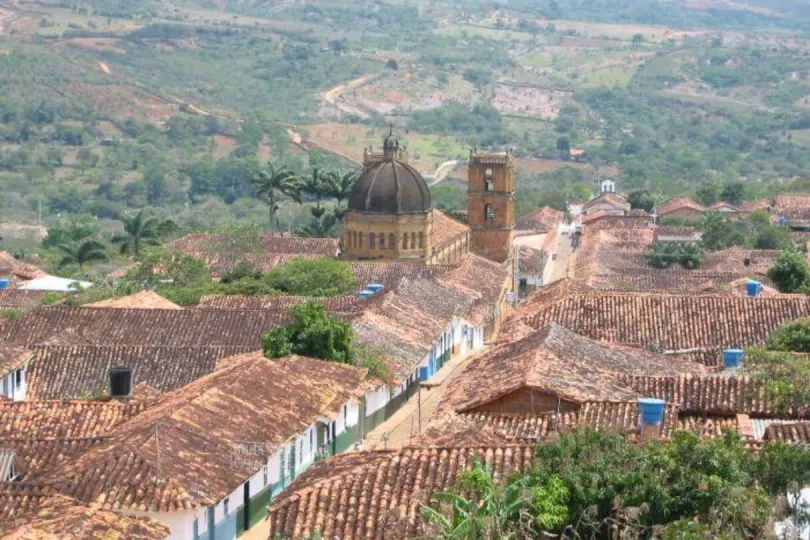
<point x="557" y="268"/>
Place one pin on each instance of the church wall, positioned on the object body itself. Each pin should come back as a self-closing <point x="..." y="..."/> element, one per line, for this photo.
<point x="414" y="225"/>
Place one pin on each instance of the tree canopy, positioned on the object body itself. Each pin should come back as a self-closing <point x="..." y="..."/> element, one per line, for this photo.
<point x="312" y="333"/>
<point x="593" y="484"/>
<point x="791" y="272"/>
<point x="319" y="277"/>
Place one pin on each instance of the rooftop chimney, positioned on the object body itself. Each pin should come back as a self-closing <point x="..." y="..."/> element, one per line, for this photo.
<point x="120" y="382"/>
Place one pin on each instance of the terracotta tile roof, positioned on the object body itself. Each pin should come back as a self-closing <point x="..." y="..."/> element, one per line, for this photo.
<point x="38" y="458"/>
<point x="531" y="260"/>
<point x="65" y="372"/>
<point x="708" y="394"/>
<point x="545" y="219"/>
<point x="613" y="222"/>
<point x="724" y="206"/>
<point x="791" y="201"/>
<point x="676" y="230"/>
<point x="21" y="299"/>
<point x="479" y="277"/>
<point x="671" y="321"/>
<point x="154" y="327"/>
<point x="212" y="243"/>
<point x="336" y="304"/>
<point x="40" y="514"/>
<point x="389" y="274"/>
<point x="196" y="429"/>
<point x="593" y="216"/>
<point x="62" y="419"/>
<point x="600" y="415"/>
<point x="220" y="262"/>
<point x="12" y="358"/>
<point x="405" y="323"/>
<point x="379" y="494"/>
<point x="608" y="198"/>
<point x="10" y="265"/>
<point x="791" y="432"/>
<point x="559" y="362"/>
<point x="752" y="206"/>
<point x="678" y="204"/>
<point x="139" y="300"/>
<point x="446" y="229"/>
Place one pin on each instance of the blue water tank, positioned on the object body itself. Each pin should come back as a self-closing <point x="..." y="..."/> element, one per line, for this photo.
<point x="652" y="411"/>
<point x="376" y="287"/>
<point x="365" y="293"/>
<point x="733" y="357"/>
<point x="4" y="284"/>
<point x="753" y="288"/>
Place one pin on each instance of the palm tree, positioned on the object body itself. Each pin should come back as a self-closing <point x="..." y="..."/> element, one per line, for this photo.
<point x="340" y="187"/>
<point x="272" y="184"/>
<point x="139" y="229"/>
<point x="88" y="251"/>
<point x="319" y="228"/>
<point x="317" y="186"/>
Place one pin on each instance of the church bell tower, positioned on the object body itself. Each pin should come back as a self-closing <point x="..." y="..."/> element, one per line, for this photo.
<point x="491" y="204"/>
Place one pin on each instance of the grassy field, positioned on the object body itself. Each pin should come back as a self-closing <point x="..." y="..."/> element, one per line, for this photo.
<point x="610" y="76"/>
<point x="426" y="151"/>
<point x="467" y="30"/>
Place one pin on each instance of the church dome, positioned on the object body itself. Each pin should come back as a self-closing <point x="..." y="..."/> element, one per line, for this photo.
<point x="390" y="187"/>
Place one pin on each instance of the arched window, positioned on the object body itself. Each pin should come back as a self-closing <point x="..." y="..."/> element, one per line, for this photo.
<point x="354" y="240"/>
<point x="489" y="185"/>
<point x="360" y="239"/>
<point x="372" y="241"/>
<point x="413" y="240"/>
<point x="489" y="210"/>
<point x="392" y="241"/>
<point x="404" y="240"/>
<point x="382" y="240"/>
<point x="421" y="240"/>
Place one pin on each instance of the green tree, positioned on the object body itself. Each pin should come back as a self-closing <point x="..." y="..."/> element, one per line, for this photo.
<point x="86" y="252"/>
<point x="317" y="186"/>
<point x="793" y="336"/>
<point x="139" y="230"/>
<point x="564" y="147"/>
<point x="312" y="333"/>
<point x="733" y="193"/>
<point x="339" y="186"/>
<point x="665" y="254"/>
<point x="271" y="185"/>
<point x="785" y="376"/>
<point x="790" y="272"/>
<point x="72" y="230"/>
<point x="773" y="237"/>
<point x="641" y="198"/>
<point x="161" y="267"/>
<point x="708" y="194"/>
<point x="320" y="277"/>
<point x="323" y="227"/>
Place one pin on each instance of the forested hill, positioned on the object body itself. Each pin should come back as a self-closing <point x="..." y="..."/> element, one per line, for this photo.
<point x="110" y="106"/>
